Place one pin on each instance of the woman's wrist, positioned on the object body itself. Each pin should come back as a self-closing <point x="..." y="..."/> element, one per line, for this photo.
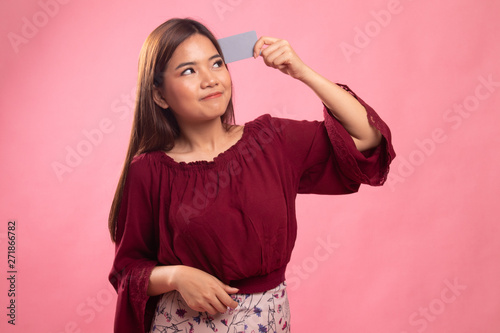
<point x="308" y="76"/>
<point x="163" y="279"/>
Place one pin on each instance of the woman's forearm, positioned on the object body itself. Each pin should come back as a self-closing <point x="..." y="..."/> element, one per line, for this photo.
<point x="350" y="113"/>
<point x="161" y="280"/>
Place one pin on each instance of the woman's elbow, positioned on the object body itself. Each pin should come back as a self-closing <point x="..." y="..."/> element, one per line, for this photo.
<point x="368" y="142"/>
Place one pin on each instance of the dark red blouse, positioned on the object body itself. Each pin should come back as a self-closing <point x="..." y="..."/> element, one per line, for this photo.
<point x="233" y="217"/>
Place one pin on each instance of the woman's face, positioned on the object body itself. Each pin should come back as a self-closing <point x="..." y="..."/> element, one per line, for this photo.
<point x="197" y="85"/>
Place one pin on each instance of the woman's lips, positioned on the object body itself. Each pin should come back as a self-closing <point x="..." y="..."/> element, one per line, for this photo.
<point x="212" y="95"/>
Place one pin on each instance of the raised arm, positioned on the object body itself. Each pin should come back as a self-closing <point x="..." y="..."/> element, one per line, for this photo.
<point x="343" y="106"/>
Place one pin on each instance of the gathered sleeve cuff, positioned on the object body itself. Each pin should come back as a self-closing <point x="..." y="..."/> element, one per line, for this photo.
<point x="135" y="250"/>
<point x="324" y="157"/>
<point x="368" y="167"/>
<point x="134" y="309"/>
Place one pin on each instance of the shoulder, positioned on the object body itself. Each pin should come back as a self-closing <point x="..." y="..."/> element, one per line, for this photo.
<point x="146" y="165"/>
<point x="235" y="129"/>
<point x="144" y="160"/>
<point x="267" y="123"/>
<point x="276" y="133"/>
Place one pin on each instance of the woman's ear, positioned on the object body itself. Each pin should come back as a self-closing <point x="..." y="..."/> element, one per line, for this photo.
<point x="158" y="98"/>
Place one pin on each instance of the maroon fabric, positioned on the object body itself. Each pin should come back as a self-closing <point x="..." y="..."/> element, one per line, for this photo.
<point x="233" y="217"/>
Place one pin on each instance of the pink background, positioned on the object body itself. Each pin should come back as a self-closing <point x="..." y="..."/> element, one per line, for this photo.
<point x="420" y="254"/>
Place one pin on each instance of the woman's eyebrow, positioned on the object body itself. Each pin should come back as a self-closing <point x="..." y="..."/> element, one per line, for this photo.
<point x="194" y="63"/>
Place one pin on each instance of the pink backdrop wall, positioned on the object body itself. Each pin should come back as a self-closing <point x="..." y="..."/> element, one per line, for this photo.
<point x="420" y="254"/>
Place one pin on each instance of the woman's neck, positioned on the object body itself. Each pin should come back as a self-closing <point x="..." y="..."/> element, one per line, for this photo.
<point x="203" y="137"/>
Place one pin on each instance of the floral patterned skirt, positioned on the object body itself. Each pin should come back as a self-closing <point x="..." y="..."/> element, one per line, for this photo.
<point x="266" y="312"/>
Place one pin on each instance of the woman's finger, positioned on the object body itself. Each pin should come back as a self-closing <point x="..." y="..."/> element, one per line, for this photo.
<point x="264" y="40"/>
<point x="227" y="300"/>
<point x="280" y="45"/>
<point x="282" y="60"/>
<point x="217" y="306"/>
<point x="270" y="58"/>
<point x="224" y="297"/>
<point x="230" y="290"/>
<point x="211" y="309"/>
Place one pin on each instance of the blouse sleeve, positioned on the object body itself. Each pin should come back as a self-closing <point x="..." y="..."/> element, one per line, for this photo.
<point x="326" y="158"/>
<point x="135" y="251"/>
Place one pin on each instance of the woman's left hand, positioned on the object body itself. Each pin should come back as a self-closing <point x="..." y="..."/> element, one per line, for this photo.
<point x="279" y="54"/>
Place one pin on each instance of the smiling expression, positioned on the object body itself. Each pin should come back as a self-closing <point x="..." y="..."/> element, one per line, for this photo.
<point x="196" y="84"/>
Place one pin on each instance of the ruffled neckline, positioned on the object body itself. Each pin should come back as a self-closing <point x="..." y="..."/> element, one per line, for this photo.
<point x="221" y="158"/>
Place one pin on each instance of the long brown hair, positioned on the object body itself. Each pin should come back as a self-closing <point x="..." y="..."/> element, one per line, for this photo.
<point x="153" y="127"/>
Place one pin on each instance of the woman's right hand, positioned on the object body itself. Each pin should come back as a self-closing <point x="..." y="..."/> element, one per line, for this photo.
<point x="200" y="290"/>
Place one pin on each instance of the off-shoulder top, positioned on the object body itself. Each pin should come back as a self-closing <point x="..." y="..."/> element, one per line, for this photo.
<point x="233" y="217"/>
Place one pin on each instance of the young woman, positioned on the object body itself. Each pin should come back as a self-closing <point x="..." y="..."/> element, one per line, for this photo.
<point x="204" y="214"/>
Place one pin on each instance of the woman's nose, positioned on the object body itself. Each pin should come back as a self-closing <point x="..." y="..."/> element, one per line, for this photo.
<point x="209" y="80"/>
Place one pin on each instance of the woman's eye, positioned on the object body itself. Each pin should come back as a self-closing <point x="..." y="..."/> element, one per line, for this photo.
<point x="219" y="63"/>
<point x="187" y="71"/>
